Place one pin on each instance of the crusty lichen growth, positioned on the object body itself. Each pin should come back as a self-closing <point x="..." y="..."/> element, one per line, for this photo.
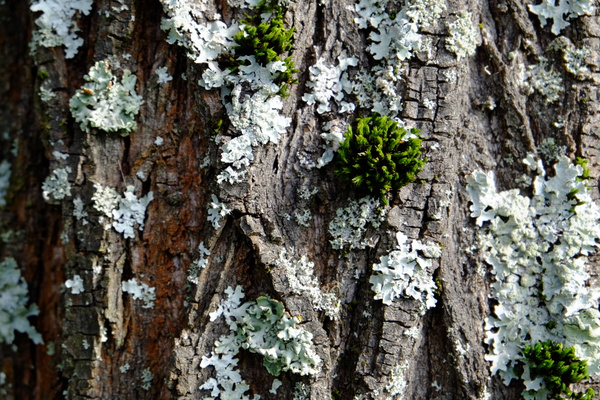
<point x="463" y="36"/>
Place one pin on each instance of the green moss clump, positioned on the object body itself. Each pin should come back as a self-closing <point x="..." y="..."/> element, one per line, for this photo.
<point x="376" y="157"/>
<point x="266" y="41"/>
<point x="559" y="367"/>
<point x="586" y="171"/>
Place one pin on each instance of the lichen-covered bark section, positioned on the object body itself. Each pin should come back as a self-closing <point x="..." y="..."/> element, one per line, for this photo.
<point x="153" y="336"/>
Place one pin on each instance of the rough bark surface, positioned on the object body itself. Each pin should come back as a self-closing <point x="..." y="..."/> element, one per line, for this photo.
<point x="482" y="120"/>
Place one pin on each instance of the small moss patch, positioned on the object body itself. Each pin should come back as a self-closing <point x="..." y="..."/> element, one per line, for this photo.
<point x="378" y="156"/>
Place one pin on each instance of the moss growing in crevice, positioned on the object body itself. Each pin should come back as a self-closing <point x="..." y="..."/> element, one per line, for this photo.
<point x="558" y="366"/>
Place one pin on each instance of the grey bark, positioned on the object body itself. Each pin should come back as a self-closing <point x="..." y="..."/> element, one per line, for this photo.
<point x="170" y="339"/>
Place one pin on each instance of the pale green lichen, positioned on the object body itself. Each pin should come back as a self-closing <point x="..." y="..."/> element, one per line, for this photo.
<point x="545" y="80"/>
<point x="351" y="223"/>
<point x="14" y="311"/>
<point x="558" y="10"/>
<point x="5" y="172"/>
<point x="140" y="291"/>
<point x="576" y="59"/>
<point x="538" y="249"/>
<point x="263" y="327"/>
<point x="406" y="272"/>
<point x="122" y="213"/>
<point x="106" y="104"/>
<point x="57" y="186"/>
<point x="57" y="25"/>
<point x="301" y="281"/>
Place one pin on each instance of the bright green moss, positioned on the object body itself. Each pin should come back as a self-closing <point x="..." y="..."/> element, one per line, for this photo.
<point x="377" y="158"/>
<point x="559" y="367"/>
<point x="266" y="40"/>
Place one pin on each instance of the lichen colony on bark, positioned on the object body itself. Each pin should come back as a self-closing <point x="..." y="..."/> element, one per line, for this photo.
<point x="172" y="225"/>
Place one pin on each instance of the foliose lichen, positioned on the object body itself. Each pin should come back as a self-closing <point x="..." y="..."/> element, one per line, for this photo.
<point x="405" y="272"/>
<point x="263" y="327"/>
<point x="463" y="36"/>
<point x="216" y="212"/>
<point x="104" y="103"/>
<point x="545" y="80"/>
<point x="538" y="249"/>
<point x="57" y="25"/>
<point x="351" y="224"/>
<point x="560" y="10"/>
<point x="122" y="213"/>
<point x="140" y="291"/>
<point x="14" y="311"/>
<point x="301" y="281"/>
<point x="76" y="284"/>
<point x="57" y="186"/>
<point x="5" y="172"/>
<point x="330" y="83"/>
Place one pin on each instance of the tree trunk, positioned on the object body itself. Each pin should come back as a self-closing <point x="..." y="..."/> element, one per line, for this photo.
<point x="473" y="114"/>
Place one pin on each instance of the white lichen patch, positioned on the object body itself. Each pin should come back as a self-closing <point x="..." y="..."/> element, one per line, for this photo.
<point x="576" y="59"/>
<point x="104" y="103"/>
<point x="333" y="134"/>
<point x="140" y="291"/>
<point x="545" y="80"/>
<point x="301" y="391"/>
<point x="262" y="327"/>
<point x="75" y="284"/>
<point x="250" y="95"/>
<point x="187" y="26"/>
<point x="393" y="42"/>
<point x="397" y="380"/>
<point x="199" y="264"/>
<point x="79" y="210"/>
<point x="14" y="311"/>
<point x="425" y="12"/>
<point x="301" y="281"/>
<point x="538" y="249"/>
<point x="57" y="24"/>
<point x="560" y="10"/>
<point x="329" y="83"/>
<point x="131" y="212"/>
<point x="254" y="106"/>
<point x="57" y="186"/>
<point x="147" y="378"/>
<point x="105" y="199"/>
<point x="463" y="36"/>
<point x="276" y="385"/>
<point x="122" y="213"/>
<point x="46" y="94"/>
<point x="351" y="223"/>
<point x="163" y="75"/>
<point x="550" y="151"/>
<point x="405" y="272"/>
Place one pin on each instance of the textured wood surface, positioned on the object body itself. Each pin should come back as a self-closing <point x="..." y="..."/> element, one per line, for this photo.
<point x="358" y="351"/>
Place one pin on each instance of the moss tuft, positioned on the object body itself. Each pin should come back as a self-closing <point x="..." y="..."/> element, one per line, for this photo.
<point x="559" y="367"/>
<point x="376" y="157"/>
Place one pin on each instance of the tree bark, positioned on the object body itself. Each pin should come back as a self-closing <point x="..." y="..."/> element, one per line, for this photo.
<point x="482" y="120"/>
